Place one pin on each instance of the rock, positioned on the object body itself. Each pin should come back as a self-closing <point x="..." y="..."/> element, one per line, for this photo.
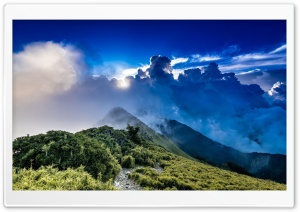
<point x="122" y="181"/>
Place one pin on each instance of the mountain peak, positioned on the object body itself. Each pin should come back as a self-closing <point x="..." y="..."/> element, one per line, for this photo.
<point x="117" y="111"/>
<point x="118" y="118"/>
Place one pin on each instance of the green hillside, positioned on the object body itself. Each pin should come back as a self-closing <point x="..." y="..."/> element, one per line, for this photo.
<point x="91" y="160"/>
<point x="119" y="118"/>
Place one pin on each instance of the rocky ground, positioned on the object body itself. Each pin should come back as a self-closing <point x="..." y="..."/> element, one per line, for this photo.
<point x="123" y="183"/>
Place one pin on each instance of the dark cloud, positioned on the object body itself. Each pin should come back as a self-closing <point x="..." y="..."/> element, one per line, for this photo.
<point x="160" y="69"/>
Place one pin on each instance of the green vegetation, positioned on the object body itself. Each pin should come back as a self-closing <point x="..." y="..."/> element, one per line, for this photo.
<point x="91" y="159"/>
<point x="128" y="161"/>
<point x="65" y="150"/>
<point x="182" y="174"/>
<point x="49" y="178"/>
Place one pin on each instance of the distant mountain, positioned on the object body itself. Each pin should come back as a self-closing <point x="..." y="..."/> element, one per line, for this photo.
<point x="119" y="118"/>
<point x="261" y="165"/>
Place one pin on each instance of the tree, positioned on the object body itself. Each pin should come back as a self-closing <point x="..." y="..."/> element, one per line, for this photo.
<point x="133" y="134"/>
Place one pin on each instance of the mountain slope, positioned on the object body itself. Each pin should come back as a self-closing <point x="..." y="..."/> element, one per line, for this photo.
<point x="262" y="165"/>
<point x="119" y="118"/>
<point x="102" y="151"/>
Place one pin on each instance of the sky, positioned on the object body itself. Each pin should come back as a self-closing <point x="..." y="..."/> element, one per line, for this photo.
<point x="226" y="79"/>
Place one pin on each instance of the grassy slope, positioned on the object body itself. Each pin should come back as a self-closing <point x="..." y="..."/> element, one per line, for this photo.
<point x="183" y="174"/>
<point x="178" y="173"/>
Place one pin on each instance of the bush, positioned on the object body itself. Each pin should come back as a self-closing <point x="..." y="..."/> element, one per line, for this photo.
<point x="65" y="150"/>
<point x="128" y="161"/>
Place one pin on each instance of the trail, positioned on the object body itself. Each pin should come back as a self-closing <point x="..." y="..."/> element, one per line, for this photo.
<point x="122" y="181"/>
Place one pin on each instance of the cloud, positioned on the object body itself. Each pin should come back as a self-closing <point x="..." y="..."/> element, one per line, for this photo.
<point x="178" y="60"/>
<point x="160" y="69"/>
<point x="230" y="61"/>
<point x="264" y="78"/>
<point x="45" y="69"/>
<point x="272" y="59"/>
<point x="279" y="49"/>
<point x="212" y="102"/>
<point x="257" y="72"/>
<point x="277" y="95"/>
<point x="200" y="58"/>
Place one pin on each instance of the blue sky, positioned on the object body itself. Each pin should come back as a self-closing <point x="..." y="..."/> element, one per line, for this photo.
<point x="235" y="45"/>
<point x="226" y="79"/>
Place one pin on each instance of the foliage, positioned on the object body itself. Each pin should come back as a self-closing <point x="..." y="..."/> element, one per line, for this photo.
<point x="101" y="151"/>
<point x="133" y="134"/>
<point x="49" y="178"/>
<point x="65" y="150"/>
<point x="128" y="161"/>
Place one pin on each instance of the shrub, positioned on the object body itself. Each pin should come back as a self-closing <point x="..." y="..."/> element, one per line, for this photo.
<point x="65" y="150"/>
<point x="128" y="161"/>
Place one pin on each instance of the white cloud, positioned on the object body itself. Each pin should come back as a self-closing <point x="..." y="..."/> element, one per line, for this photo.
<point x="279" y="49"/>
<point x="176" y="73"/>
<point x="252" y="56"/>
<point x="175" y="61"/>
<point x="200" y="58"/>
<point x="45" y="68"/>
<point x="256" y="59"/>
<point x="277" y="91"/>
<point x="250" y="64"/>
<point x="250" y="72"/>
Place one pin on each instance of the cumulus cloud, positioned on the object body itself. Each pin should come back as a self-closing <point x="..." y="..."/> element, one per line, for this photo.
<point x="277" y="95"/>
<point x="45" y="68"/>
<point x="212" y="102"/>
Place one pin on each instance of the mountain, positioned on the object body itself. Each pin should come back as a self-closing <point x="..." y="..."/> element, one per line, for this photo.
<point x="119" y="118"/>
<point x="261" y="165"/>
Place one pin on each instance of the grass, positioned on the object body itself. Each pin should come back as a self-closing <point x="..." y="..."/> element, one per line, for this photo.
<point x="49" y="178"/>
<point x="180" y="173"/>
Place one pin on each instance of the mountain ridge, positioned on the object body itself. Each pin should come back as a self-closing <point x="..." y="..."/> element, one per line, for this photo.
<point x="261" y="165"/>
<point x="185" y="141"/>
<point x="118" y="118"/>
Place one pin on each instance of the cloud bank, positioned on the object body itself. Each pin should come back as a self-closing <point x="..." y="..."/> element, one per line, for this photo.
<point x="212" y="102"/>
